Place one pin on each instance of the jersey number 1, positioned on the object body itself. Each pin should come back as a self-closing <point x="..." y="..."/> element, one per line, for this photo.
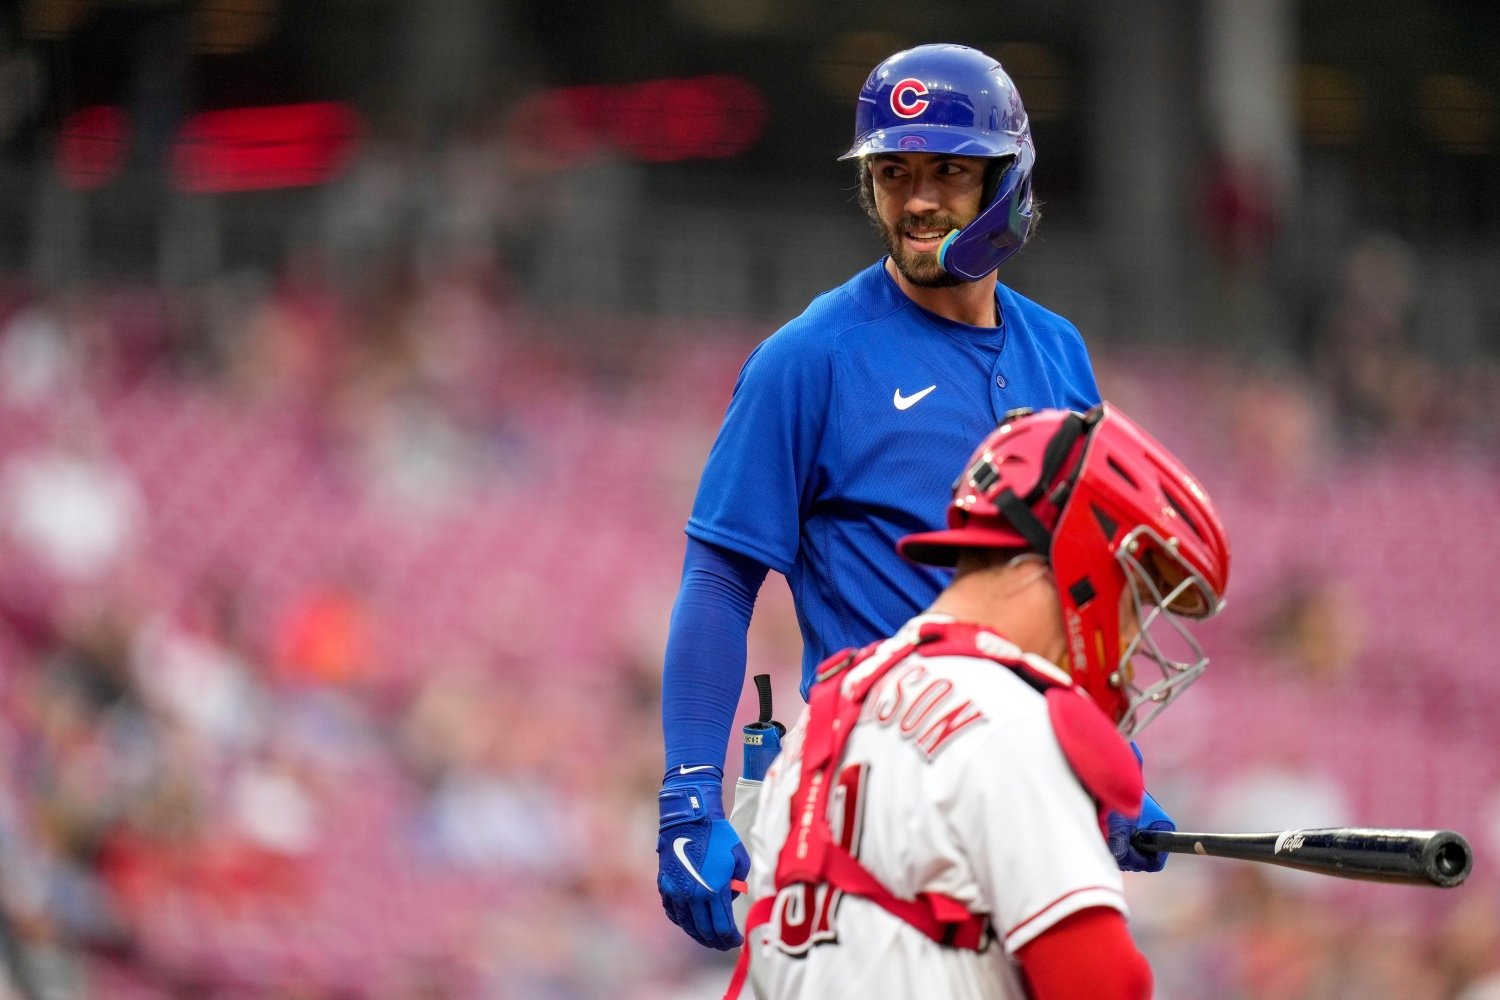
<point x="807" y="912"/>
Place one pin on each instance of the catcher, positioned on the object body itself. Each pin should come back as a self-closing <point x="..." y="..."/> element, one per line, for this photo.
<point x="935" y="822"/>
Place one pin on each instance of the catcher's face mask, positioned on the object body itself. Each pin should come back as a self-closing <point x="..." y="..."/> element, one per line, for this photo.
<point x="1161" y="655"/>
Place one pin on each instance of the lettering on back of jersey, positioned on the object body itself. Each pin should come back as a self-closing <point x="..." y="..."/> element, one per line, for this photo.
<point x="946" y="726"/>
<point x="926" y="712"/>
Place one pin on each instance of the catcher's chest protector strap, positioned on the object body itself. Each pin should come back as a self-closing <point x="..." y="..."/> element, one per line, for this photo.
<point x="1099" y="756"/>
<point x="810" y="854"/>
<point x="1101" y="759"/>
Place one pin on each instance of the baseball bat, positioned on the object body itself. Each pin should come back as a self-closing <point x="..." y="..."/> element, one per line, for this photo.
<point x="1413" y="857"/>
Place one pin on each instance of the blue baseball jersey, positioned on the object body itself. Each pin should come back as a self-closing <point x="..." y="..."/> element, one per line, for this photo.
<point x="845" y="432"/>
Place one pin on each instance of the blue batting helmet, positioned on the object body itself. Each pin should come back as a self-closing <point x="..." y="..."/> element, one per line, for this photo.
<point x="954" y="99"/>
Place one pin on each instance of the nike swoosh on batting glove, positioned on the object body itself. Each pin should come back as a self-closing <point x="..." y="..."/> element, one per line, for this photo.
<point x="698" y="854"/>
<point x="1122" y="828"/>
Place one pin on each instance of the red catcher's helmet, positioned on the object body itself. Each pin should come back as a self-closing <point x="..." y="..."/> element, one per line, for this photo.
<point x="1108" y="506"/>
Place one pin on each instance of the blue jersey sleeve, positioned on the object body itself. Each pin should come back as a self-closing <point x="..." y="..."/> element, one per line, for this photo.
<point x="705" y="659"/>
<point x="766" y="467"/>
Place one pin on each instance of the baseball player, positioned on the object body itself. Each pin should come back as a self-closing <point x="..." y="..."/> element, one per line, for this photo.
<point x="934" y="824"/>
<point x="844" y="428"/>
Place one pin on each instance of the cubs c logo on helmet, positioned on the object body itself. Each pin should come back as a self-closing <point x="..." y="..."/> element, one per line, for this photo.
<point x="909" y="98"/>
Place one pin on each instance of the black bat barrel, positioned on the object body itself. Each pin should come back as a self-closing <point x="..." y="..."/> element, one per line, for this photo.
<point x="1423" y="857"/>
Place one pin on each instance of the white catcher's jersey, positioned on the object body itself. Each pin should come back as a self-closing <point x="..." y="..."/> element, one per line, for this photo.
<point x="983" y="808"/>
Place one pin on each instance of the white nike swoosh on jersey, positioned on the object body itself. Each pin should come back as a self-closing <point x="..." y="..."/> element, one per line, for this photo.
<point x="684" y="769"/>
<point x="677" y="846"/>
<point x="907" y="402"/>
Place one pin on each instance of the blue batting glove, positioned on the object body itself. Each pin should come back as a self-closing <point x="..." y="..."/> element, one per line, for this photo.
<point x="698" y="853"/>
<point x="1122" y="828"/>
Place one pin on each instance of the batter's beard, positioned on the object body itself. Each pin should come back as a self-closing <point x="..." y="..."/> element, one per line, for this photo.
<point x="921" y="269"/>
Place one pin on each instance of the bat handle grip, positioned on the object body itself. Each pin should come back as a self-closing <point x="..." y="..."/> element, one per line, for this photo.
<point x="1153" y="841"/>
<point x="1157" y="841"/>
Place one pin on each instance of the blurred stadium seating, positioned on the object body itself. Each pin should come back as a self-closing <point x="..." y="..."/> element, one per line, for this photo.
<point x="352" y="693"/>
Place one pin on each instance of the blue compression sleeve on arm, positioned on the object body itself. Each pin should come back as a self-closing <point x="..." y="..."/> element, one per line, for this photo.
<point x="705" y="659"/>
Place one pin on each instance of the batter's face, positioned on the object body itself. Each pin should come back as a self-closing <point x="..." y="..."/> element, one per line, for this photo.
<point x="919" y="198"/>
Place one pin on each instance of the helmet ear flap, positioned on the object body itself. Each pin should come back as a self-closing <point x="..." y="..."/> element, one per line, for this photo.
<point x="1025" y="208"/>
<point x="993" y="171"/>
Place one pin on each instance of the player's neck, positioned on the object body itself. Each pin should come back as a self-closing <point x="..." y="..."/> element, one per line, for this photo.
<point x="1014" y="602"/>
<point x="972" y="302"/>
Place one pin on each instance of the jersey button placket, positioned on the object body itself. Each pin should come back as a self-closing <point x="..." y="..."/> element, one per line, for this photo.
<point x="998" y="382"/>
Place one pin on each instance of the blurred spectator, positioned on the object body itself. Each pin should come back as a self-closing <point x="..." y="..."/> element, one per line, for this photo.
<point x="481" y="749"/>
<point x="1380" y="383"/>
<point x="1469" y="947"/>
<point x="1236" y="215"/>
<point x="1282" y="944"/>
<point x="1237" y="212"/>
<point x="37" y="361"/>
<point x="272" y="806"/>
<point x="292" y="347"/>
<point x="197" y="666"/>
<point x="69" y="504"/>
<point x="325" y="636"/>
<point x="1279" y="431"/>
<point x="240" y="763"/>
<point x="1313" y="625"/>
<point x="413" y="456"/>
<point x="1280" y="791"/>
